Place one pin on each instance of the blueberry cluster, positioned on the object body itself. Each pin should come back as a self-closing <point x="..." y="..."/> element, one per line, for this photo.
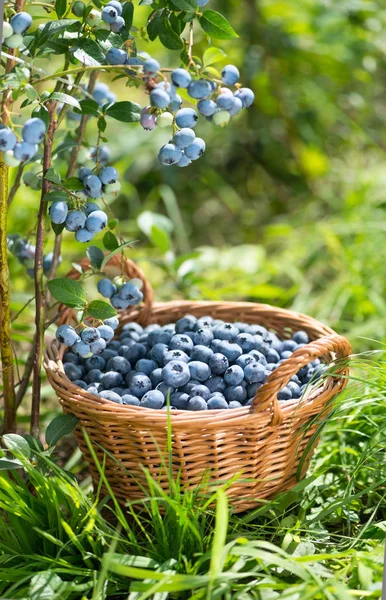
<point x="121" y="293"/>
<point x="201" y="363"/>
<point x="25" y="254"/>
<point x="89" y="340"/>
<point x="14" y="29"/>
<point x="112" y="15"/>
<point x="86" y="219"/>
<point x="15" y="152"/>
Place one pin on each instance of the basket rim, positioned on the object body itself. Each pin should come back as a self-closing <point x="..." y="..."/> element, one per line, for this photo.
<point x="81" y="399"/>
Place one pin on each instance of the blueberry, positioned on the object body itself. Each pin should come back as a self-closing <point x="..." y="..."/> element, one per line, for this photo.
<point x="94" y="376"/>
<point x="107" y="354"/>
<point x="235" y="404"/>
<point x="252" y="389"/>
<point x="71" y="357"/>
<point x="181" y="78"/>
<point x="176" y="355"/>
<point x="151" y="66"/>
<point x="95" y="362"/>
<point x="24" y="151"/>
<point x="179" y="400"/>
<point x="199" y="370"/>
<point x="244" y="360"/>
<point x="285" y="394"/>
<point x="186" y="117"/>
<point x="167" y="390"/>
<point x="103" y="154"/>
<point x="184" y="161"/>
<point x="255" y="373"/>
<point x="81" y="349"/>
<point x="117" y="5"/>
<point x="169" y="154"/>
<point x="224" y="102"/>
<point x="109" y="14"/>
<point x="207" y="107"/>
<point x="272" y="356"/>
<point x="230" y="349"/>
<point x="93" y="186"/>
<point x="217" y="403"/>
<point x="175" y="103"/>
<point x="246" y="96"/>
<point x="114" y="345"/>
<point x="184" y="137"/>
<point x="301" y="337"/>
<point x="72" y="371"/>
<point x="116" y="56"/>
<point x="215" y="384"/>
<point x="130" y="400"/>
<point x="218" y="363"/>
<point x="158" y="353"/>
<point x="199" y="88"/>
<point x="132" y="328"/>
<point x="159" y="336"/>
<point x="159" y="98"/>
<point x="236" y="107"/>
<point x="288" y="345"/>
<point x="230" y="75"/>
<point x="112" y="322"/>
<point x="181" y="342"/>
<point x="156" y="377"/>
<point x="235" y="392"/>
<point x="201" y="353"/>
<point x="197" y="403"/>
<point x="294" y="389"/>
<point x="245" y="341"/>
<point x="195" y="149"/>
<point x="7" y="139"/>
<point x="90" y="335"/>
<point x="120" y="364"/>
<point x="84" y="235"/>
<point x="108" y="175"/>
<point x="187" y="323"/>
<point x="234" y="375"/>
<point x="144" y="365"/>
<point x="176" y="373"/>
<point x="111" y="379"/>
<point x="135" y="353"/>
<point x="203" y="337"/>
<point x="131" y="293"/>
<point x="286" y="354"/>
<point x="112" y="396"/>
<point x="33" y="130"/>
<point x="153" y="399"/>
<point x="75" y="220"/>
<point x="148" y="121"/>
<point x="96" y="221"/>
<point x="21" y="22"/>
<point x="200" y="390"/>
<point x="90" y="207"/>
<point x="66" y="334"/>
<point x="118" y="24"/>
<point x="106" y="288"/>
<point x="92" y="389"/>
<point x="225" y="331"/>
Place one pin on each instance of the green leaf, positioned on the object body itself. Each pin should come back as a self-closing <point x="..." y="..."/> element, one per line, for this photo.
<point x="168" y="37"/>
<point x="73" y="184"/>
<point x="65" y="98"/>
<point x="7" y="464"/>
<point x="88" y="52"/>
<point x="112" y="223"/>
<point x="101" y="310"/>
<point x="60" y="8"/>
<point x="102" y="124"/>
<point x="42" y="113"/>
<point x="215" y="25"/>
<point x="212" y="55"/>
<point x="152" y="24"/>
<point x="186" y="5"/>
<point x="54" y="27"/>
<point x="146" y="3"/>
<point x="43" y="586"/>
<point x="127" y="14"/>
<point x="110" y="242"/>
<point x="30" y="92"/>
<point x="60" y="426"/>
<point x="56" y="196"/>
<point x="57" y="228"/>
<point x="95" y="256"/>
<point x="127" y="112"/>
<point x="68" y="292"/>
<point x="89" y="107"/>
<point x="52" y="176"/>
<point x="160" y="238"/>
<point x="17" y="444"/>
<point x="113" y="253"/>
<point x="147" y="219"/>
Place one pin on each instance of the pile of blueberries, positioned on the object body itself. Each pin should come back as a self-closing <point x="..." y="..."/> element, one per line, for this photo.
<point x="201" y="363"/>
<point x="15" y="152"/>
<point x="13" y="31"/>
<point x="25" y="253"/>
<point x="87" y="219"/>
<point x="121" y="293"/>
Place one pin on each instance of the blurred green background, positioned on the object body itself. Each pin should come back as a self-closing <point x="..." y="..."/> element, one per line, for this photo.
<point x="287" y="206"/>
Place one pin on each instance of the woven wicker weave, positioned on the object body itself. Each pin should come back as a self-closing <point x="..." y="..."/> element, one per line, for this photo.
<point x="269" y="444"/>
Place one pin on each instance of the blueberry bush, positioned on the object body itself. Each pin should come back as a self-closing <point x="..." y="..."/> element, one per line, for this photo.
<point x="53" y="54"/>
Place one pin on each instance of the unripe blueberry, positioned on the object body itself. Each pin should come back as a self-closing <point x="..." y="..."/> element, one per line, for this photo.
<point x="112" y="188"/>
<point x="8" y="139"/>
<point x="7" y="30"/>
<point x="93" y="186"/>
<point x="116" y="56"/>
<point x="84" y="236"/>
<point x="165" y="119"/>
<point x="21" y="22"/>
<point x="230" y="75"/>
<point x="159" y="98"/>
<point x="186" y="117"/>
<point x="169" y="154"/>
<point x="181" y="78"/>
<point x="221" y="118"/>
<point x="66" y="334"/>
<point x="246" y="96"/>
<point x="207" y="107"/>
<point x="34" y="130"/>
<point x="93" y="18"/>
<point x="151" y="66"/>
<point x="32" y="180"/>
<point x="24" y="151"/>
<point x="195" y="149"/>
<point x="58" y="212"/>
<point x="10" y="159"/>
<point x="199" y="88"/>
<point x="108" y="175"/>
<point x="78" y="8"/>
<point x="184" y="161"/>
<point x="75" y="220"/>
<point x="109" y="14"/>
<point x="14" y="41"/>
<point x="96" y="221"/>
<point x="118" y="24"/>
<point x="184" y="137"/>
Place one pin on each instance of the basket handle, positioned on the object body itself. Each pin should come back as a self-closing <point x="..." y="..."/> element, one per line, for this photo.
<point x="267" y="394"/>
<point x="128" y="268"/>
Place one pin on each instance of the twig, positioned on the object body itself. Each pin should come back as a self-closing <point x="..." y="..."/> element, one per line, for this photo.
<point x="190" y="46"/>
<point x="16" y="183"/>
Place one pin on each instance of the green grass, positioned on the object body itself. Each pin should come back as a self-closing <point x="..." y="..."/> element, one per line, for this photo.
<point x="322" y="540"/>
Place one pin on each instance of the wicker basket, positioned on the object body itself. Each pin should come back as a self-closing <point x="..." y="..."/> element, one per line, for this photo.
<point x="268" y="445"/>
